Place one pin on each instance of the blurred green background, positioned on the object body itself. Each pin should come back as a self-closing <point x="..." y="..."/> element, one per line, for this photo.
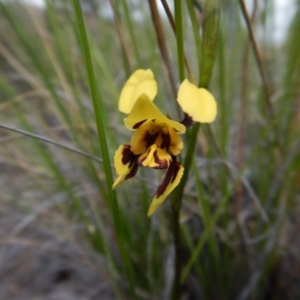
<point x="239" y="222"/>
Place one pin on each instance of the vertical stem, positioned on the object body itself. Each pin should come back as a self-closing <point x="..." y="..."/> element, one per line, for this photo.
<point x="176" y="205"/>
<point x="176" y="288"/>
<point x="266" y="87"/>
<point x="98" y="109"/>
<point x="162" y="43"/>
<point x="242" y="116"/>
<point x="172" y="23"/>
<point x="121" y="36"/>
<point x="131" y="32"/>
<point x="258" y="58"/>
<point x="176" y="285"/>
<point x="241" y="128"/>
<point x="196" y="28"/>
<point x="95" y="97"/>
<point x="179" y="38"/>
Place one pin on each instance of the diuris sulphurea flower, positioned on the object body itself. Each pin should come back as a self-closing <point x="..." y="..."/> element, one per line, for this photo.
<point x="156" y="141"/>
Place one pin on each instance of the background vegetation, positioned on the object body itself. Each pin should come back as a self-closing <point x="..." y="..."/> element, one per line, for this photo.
<point x="239" y="219"/>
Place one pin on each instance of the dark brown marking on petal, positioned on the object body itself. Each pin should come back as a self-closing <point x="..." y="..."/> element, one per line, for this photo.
<point x="162" y="163"/>
<point x="128" y="156"/>
<point x="140" y="161"/>
<point x="150" y="138"/>
<point x="133" y="171"/>
<point x="187" y="121"/>
<point x="169" y="177"/>
<point x="138" y="124"/>
<point x="166" y="141"/>
<point x="178" y="165"/>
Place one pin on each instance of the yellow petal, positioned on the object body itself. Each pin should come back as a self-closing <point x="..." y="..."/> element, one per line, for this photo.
<point x="143" y="110"/>
<point x="139" y="139"/>
<point x="176" y="144"/>
<point x="140" y="82"/>
<point x="125" y="164"/>
<point x="198" y="103"/>
<point x="167" y="185"/>
<point x="155" y="158"/>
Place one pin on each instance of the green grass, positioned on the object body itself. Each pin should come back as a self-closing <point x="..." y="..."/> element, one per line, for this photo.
<point x="234" y="216"/>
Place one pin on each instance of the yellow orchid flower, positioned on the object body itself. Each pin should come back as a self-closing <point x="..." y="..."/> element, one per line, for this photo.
<point x="155" y="142"/>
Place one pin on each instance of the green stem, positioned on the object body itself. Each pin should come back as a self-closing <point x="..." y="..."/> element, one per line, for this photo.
<point x="195" y="26"/>
<point x="131" y="32"/>
<point x="208" y="55"/>
<point x="96" y="99"/>
<point x="176" y="206"/>
<point x="98" y="109"/>
<point x="187" y="165"/>
<point x="179" y="38"/>
<point x="176" y="286"/>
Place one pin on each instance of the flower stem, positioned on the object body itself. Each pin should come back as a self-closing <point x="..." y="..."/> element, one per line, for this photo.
<point x="98" y="110"/>
<point x="176" y="285"/>
<point x="208" y="55"/>
<point x="176" y="205"/>
<point x="161" y="40"/>
<point x="179" y="38"/>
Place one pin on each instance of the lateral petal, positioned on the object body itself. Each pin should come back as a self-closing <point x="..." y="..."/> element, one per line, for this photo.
<point x="198" y="103"/>
<point x="125" y="164"/>
<point x="144" y="109"/>
<point x="140" y="82"/>
<point x="176" y="144"/>
<point x="169" y="181"/>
